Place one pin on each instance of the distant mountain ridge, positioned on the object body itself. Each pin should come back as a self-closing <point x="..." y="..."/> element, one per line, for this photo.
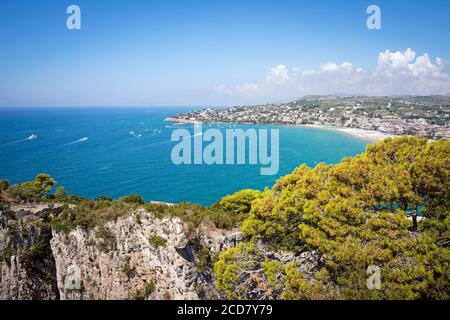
<point x="337" y="96"/>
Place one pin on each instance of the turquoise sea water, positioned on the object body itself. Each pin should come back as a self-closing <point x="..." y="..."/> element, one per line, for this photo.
<point x="120" y="151"/>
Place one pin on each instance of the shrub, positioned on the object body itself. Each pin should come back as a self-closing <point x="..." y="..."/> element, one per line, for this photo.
<point x="89" y="214"/>
<point x="128" y="270"/>
<point x="157" y="241"/>
<point x="240" y="202"/>
<point x="61" y="226"/>
<point x="134" y="198"/>
<point x="107" y="239"/>
<point x="39" y="253"/>
<point x="146" y="292"/>
<point x="103" y="198"/>
<point x="60" y="194"/>
<point x="25" y="191"/>
<point x="204" y="259"/>
<point x="36" y="190"/>
<point x="4" y="185"/>
<point x="194" y="215"/>
<point x="149" y="289"/>
<point x="44" y="184"/>
<point x="7" y="254"/>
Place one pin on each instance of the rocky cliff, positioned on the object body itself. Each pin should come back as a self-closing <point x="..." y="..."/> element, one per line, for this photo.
<point x="26" y="262"/>
<point x="138" y="256"/>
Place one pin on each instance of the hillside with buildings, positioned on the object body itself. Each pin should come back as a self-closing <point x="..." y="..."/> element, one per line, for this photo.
<point x="426" y="116"/>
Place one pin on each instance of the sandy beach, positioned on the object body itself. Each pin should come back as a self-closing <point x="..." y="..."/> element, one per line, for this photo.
<point x="368" y="135"/>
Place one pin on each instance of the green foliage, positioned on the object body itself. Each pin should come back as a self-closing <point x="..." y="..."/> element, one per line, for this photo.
<point x="157" y="241"/>
<point x="275" y="216"/>
<point x="7" y="254"/>
<point x="37" y="257"/>
<point x="4" y="185"/>
<point x="146" y="292"/>
<point x="60" y="194"/>
<point x="25" y="191"/>
<point x="106" y="240"/>
<point x="228" y="268"/>
<point x="128" y="270"/>
<point x="194" y="215"/>
<point x="138" y="218"/>
<point x="204" y="259"/>
<point x="240" y="202"/>
<point x="61" y="226"/>
<point x="103" y="198"/>
<point x="4" y="206"/>
<point x="149" y="289"/>
<point x="244" y="272"/>
<point x="44" y="183"/>
<point x="36" y="190"/>
<point x="89" y="214"/>
<point x="355" y="214"/>
<point x="134" y="198"/>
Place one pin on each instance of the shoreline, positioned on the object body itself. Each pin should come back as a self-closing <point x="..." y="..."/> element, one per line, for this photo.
<point x="364" y="134"/>
<point x="369" y="135"/>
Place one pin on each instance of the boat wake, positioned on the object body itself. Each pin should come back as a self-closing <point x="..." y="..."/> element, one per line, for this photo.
<point x="135" y="135"/>
<point x="78" y="141"/>
<point x="32" y="137"/>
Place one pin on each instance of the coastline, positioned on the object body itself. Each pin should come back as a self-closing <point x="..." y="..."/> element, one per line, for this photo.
<point x="368" y="135"/>
<point x="364" y="134"/>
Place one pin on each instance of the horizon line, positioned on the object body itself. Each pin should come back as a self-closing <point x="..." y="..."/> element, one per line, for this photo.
<point x="340" y="96"/>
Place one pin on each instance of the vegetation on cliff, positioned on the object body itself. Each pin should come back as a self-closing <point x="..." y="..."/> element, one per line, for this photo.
<point x="388" y="208"/>
<point x="77" y="211"/>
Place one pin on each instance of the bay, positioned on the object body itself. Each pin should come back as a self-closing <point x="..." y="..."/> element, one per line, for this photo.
<point x="121" y="151"/>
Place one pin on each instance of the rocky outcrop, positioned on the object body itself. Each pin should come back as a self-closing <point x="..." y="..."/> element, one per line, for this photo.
<point x="137" y="256"/>
<point x="27" y="268"/>
<point x="131" y="258"/>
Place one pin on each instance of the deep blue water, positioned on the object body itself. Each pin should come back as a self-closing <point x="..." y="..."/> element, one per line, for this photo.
<point x="114" y="162"/>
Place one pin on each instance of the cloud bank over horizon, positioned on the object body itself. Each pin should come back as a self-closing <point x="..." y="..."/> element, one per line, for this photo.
<point x="396" y="73"/>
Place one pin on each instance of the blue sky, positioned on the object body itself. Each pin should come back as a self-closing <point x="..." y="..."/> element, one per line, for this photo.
<point x="166" y="53"/>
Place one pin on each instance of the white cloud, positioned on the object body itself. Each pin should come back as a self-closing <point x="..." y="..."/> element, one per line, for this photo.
<point x="278" y="75"/>
<point x="398" y="63"/>
<point x="307" y="73"/>
<point x="331" y="66"/>
<point x="396" y="73"/>
<point x="247" y="88"/>
<point x="222" y="89"/>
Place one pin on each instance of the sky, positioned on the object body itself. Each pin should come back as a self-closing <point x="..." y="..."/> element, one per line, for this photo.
<point x="218" y="53"/>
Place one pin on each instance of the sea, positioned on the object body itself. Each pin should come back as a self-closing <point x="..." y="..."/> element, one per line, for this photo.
<point x="116" y="151"/>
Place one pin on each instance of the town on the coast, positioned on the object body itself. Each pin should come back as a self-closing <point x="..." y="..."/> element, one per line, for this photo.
<point x="426" y="116"/>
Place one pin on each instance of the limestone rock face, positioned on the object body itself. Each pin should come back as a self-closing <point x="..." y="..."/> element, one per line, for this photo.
<point x="122" y="260"/>
<point x="137" y="256"/>
<point x="27" y="269"/>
